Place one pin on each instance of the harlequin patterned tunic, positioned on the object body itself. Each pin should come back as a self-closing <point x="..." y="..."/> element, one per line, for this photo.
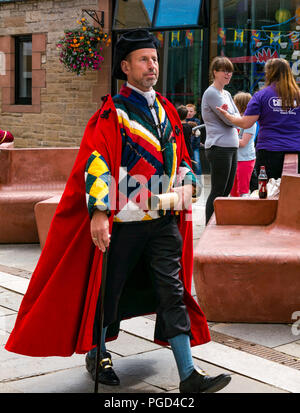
<point x="148" y="164"/>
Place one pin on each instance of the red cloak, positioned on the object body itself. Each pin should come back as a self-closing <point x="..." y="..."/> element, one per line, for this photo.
<point x="56" y="315"/>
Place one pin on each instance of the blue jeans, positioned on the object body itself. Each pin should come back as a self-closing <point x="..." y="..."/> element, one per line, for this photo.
<point x="197" y="165"/>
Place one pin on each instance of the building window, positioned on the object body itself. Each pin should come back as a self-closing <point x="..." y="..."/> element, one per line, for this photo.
<point x="176" y="13"/>
<point x="160" y="14"/>
<point x="23" y="72"/>
<point x="133" y="14"/>
<point x="252" y="32"/>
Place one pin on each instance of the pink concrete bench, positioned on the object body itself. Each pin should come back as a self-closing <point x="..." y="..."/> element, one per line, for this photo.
<point x="28" y="176"/>
<point x="44" y="212"/>
<point x="247" y="262"/>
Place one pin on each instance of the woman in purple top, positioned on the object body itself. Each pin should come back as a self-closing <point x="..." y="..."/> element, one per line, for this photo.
<point x="277" y="110"/>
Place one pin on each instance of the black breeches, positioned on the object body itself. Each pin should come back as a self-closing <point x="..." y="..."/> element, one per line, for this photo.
<point x="159" y="244"/>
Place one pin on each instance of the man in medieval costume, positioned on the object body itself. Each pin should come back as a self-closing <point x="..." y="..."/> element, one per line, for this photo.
<point x="133" y="147"/>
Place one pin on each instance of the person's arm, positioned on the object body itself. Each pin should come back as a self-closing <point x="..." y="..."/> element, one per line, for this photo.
<point x="97" y="180"/>
<point x="191" y="123"/>
<point x="214" y="100"/>
<point x="244" y="122"/>
<point x="185" y="194"/>
<point x="188" y="186"/>
<point x="245" y="139"/>
<point x="100" y="229"/>
<point x="250" y="116"/>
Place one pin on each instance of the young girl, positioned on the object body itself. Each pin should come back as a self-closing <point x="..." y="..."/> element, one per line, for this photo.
<point x="246" y="151"/>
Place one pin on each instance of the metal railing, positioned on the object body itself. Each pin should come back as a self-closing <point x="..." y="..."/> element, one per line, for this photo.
<point x="198" y="127"/>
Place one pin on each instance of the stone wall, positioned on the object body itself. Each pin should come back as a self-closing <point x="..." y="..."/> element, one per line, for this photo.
<point x="66" y="100"/>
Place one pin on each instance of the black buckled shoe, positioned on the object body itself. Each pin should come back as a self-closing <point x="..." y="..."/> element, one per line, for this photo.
<point x="200" y="382"/>
<point x="106" y="372"/>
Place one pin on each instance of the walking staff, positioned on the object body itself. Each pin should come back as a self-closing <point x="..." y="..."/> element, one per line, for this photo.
<point x="101" y="314"/>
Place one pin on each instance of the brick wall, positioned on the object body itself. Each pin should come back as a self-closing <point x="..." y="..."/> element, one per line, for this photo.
<point x="62" y="102"/>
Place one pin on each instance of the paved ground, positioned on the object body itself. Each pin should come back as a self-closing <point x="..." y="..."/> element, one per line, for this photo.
<point x="262" y="358"/>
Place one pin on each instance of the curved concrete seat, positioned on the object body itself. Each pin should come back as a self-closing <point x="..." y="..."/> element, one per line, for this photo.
<point x="44" y="212"/>
<point x="28" y="176"/>
<point x="17" y="222"/>
<point x="247" y="261"/>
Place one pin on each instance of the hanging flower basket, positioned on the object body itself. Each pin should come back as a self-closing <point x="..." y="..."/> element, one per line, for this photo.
<point x="81" y="49"/>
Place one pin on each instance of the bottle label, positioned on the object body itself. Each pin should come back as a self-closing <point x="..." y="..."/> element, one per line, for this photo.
<point x="262" y="188"/>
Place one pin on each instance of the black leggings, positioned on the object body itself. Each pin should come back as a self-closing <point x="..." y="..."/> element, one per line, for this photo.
<point x="273" y="161"/>
<point x="223" y="164"/>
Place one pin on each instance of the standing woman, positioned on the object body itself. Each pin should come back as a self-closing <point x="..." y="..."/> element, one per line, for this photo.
<point x="221" y="135"/>
<point x="277" y="109"/>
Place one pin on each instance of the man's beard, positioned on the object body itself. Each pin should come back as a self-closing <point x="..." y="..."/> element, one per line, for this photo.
<point x="148" y="83"/>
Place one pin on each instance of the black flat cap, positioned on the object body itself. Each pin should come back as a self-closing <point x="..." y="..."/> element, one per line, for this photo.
<point x="127" y="43"/>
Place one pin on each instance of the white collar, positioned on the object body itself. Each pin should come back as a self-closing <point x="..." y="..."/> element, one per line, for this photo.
<point x="150" y="96"/>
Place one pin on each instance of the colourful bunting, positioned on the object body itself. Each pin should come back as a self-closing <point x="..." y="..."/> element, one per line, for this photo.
<point x="294" y="38"/>
<point x="221" y="36"/>
<point x="255" y="38"/>
<point x="238" y="40"/>
<point x="275" y="38"/>
<point x="175" y="38"/>
<point x="189" y="38"/>
<point x="160" y="38"/>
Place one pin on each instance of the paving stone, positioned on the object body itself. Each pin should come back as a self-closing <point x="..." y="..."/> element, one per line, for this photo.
<point x="5" y="311"/>
<point x="157" y="368"/>
<point x="209" y="368"/>
<point x="10" y="300"/>
<point x="127" y="344"/>
<point x="145" y="327"/>
<point x="18" y="366"/>
<point x="13" y="282"/>
<point x="6" y="355"/>
<point x="134" y="376"/>
<point x="141" y="326"/>
<point x="78" y="380"/>
<point x="7" y="323"/>
<point x="24" y="256"/>
<point x="3" y="337"/>
<point x="269" y="335"/>
<point x="15" y="271"/>
<point x="248" y="365"/>
<point x="240" y="384"/>
<point x="8" y="388"/>
<point x="292" y="349"/>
